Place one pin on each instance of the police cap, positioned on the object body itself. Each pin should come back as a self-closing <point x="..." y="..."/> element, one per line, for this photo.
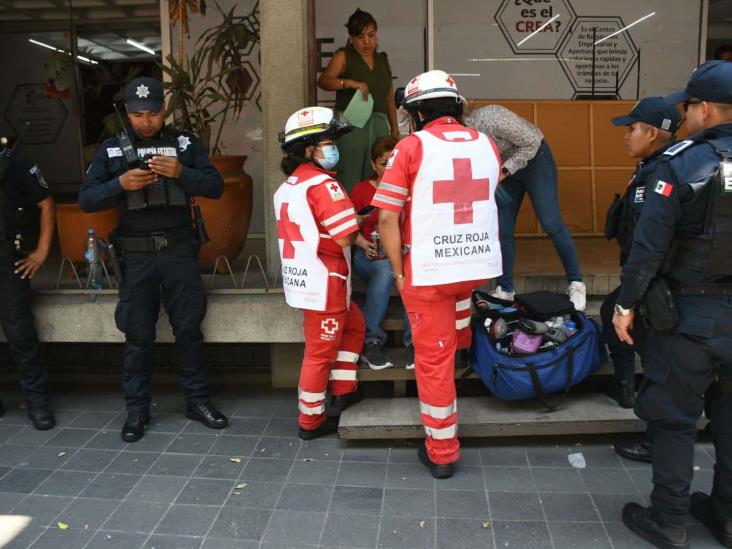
<point x="144" y="94"/>
<point x="710" y="81"/>
<point x="653" y="111"/>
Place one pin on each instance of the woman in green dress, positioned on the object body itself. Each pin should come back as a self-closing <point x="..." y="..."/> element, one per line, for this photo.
<point x="360" y="68"/>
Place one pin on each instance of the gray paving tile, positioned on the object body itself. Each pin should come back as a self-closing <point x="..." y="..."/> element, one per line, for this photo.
<point x="175" y="465"/>
<point x="220" y="467"/>
<point x="23" y="481"/>
<point x="65" y="483"/>
<point x="701" y="537"/>
<point x="362" y="474"/>
<point x="134" y="463"/>
<point x="608" y="481"/>
<point x="192" y="444"/>
<point x="116" y="540"/>
<point x="508" y="479"/>
<point x="12" y="455"/>
<point x="166" y="423"/>
<point x="47" y="457"/>
<point x="270" y="470"/>
<point x="579" y="535"/>
<point x="504" y="456"/>
<point x="278" y="427"/>
<point x="470" y="455"/>
<point x="240" y="524"/>
<point x="294" y="527"/>
<point x="463" y="533"/>
<point x="8" y="431"/>
<point x="556" y="479"/>
<point x="568" y="507"/>
<point x="151" y="442"/>
<point x="610" y="506"/>
<point x="600" y="455"/>
<point x="322" y="449"/>
<point x="187" y="520"/>
<point x="357" y="452"/>
<point x="107" y="440"/>
<point x="462" y="504"/>
<point x="110" y="486"/>
<point x="202" y="491"/>
<point x="92" y="420"/>
<point x="210" y="543"/>
<point x="72" y="438"/>
<point x="87" y="514"/>
<point x="314" y="472"/>
<point x="28" y="435"/>
<point x="88" y="459"/>
<point x="157" y="489"/>
<point x="549" y="456"/>
<point x="255" y="495"/>
<point x="43" y="509"/>
<point x="172" y="542"/>
<point x="53" y="538"/>
<point x="287" y="408"/>
<point x="508" y="506"/>
<point x="643" y="480"/>
<point x="355" y="499"/>
<point x="407" y="502"/>
<point x="4" y="471"/>
<point x="622" y="538"/>
<point x="466" y="477"/>
<point x="256" y="408"/>
<point x="284" y="448"/>
<point x="8" y="501"/>
<point x="253" y="426"/>
<point x="702" y="481"/>
<point x="305" y="497"/>
<point x="233" y="446"/>
<point x="26" y="538"/>
<point x="403" y="454"/>
<point x="702" y="458"/>
<point x="534" y="535"/>
<point x="407" y="533"/>
<point x="350" y="530"/>
<point x="408" y="476"/>
<point x="136" y="516"/>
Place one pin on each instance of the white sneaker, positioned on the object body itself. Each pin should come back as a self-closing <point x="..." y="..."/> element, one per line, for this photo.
<point x="577" y="292"/>
<point x="500" y="293"/>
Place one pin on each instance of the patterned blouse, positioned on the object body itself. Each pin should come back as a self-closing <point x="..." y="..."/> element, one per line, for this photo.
<point x="517" y="139"/>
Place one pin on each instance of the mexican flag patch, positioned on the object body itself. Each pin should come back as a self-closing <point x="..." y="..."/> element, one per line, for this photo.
<point x="663" y="188"/>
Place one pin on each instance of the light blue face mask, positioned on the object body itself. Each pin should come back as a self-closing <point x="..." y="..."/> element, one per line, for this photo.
<point x="330" y="157"/>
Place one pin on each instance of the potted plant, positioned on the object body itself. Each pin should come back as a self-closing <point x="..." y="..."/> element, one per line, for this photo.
<point x="204" y="91"/>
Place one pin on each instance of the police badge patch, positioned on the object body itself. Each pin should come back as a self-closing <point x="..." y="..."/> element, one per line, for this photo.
<point x="35" y="171"/>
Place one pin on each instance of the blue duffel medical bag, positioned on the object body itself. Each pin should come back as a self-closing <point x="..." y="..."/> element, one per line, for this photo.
<point x="515" y="377"/>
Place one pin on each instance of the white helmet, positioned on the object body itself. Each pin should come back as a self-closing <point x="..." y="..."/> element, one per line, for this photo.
<point x="312" y="124"/>
<point x="431" y="85"/>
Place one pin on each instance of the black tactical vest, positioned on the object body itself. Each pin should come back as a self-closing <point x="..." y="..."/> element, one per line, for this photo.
<point x="710" y="253"/>
<point x="4" y="165"/>
<point x="165" y="191"/>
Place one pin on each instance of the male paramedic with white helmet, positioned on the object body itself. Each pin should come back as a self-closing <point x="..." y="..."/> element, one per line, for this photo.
<point x="316" y="224"/>
<point x="439" y="226"/>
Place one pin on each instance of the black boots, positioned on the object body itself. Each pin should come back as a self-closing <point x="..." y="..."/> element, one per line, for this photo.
<point x="341" y="402"/>
<point x="438" y="471"/>
<point x="207" y="414"/>
<point x="643" y="522"/>
<point x="702" y="509"/>
<point x="134" y="428"/>
<point x="637" y="451"/>
<point x="41" y="417"/>
<point x="330" y="426"/>
<point x="623" y="392"/>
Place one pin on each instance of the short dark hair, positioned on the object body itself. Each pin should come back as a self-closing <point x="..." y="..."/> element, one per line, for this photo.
<point x="721" y="50"/>
<point x="382" y="145"/>
<point x="358" y="21"/>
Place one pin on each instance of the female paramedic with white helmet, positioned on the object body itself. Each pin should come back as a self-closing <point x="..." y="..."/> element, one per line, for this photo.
<point x="439" y="226"/>
<point x="316" y="224"/>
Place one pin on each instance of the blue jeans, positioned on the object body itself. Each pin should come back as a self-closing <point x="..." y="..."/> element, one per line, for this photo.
<point x="378" y="274"/>
<point x="539" y="179"/>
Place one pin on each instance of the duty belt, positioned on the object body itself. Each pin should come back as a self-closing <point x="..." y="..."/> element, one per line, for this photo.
<point x="724" y="289"/>
<point x="157" y="241"/>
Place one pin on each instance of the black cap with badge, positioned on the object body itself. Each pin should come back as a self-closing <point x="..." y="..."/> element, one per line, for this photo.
<point x="144" y="94"/>
<point x="653" y="111"/>
<point x="710" y="81"/>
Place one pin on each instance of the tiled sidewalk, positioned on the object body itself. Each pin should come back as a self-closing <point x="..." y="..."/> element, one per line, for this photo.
<point x="256" y="485"/>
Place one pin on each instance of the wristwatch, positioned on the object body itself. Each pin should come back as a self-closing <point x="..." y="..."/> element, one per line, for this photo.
<point x="622" y="311"/>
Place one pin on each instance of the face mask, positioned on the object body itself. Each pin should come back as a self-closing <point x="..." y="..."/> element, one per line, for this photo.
<point x="330" y="157"/>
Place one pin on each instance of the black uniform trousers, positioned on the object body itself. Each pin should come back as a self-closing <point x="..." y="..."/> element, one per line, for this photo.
<point x="171" y="274"/>
<point x="16" y="319"/>
<point x="680" y="366"/>
<point x="622" y="354"/>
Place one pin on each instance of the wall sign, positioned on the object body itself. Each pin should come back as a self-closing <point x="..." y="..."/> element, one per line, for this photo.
<point x="518" y="19"/>
<point x="46" y="116"/>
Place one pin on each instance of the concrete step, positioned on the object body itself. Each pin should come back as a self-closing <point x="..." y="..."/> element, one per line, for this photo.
<point x="581" y="413"/>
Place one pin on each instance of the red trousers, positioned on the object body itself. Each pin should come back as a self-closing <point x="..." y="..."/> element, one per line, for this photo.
<point x="440" y="320"/>
<point x="333" y="342"/>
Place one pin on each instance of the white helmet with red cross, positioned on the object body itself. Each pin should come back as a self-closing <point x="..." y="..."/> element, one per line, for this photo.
<point x="312" y="124"/>
<point x="431" y="85"/>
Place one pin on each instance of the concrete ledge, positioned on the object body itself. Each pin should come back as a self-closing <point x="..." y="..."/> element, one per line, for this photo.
<point x="489" y="417"/>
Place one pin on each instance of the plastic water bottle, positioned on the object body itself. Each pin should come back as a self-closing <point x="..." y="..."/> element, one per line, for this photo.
<point x="93" y="262"/>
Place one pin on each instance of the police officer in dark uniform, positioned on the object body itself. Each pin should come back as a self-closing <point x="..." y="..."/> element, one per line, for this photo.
<point x="159" y="248"/>
<point x="684" y="234"/>
<point x="21" y="186"/>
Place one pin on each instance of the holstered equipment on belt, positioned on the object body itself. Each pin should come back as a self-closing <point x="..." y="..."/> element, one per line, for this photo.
<point x="658" y="305"/>
<point x="155" y="242"/>
<point x="612" y="219"/>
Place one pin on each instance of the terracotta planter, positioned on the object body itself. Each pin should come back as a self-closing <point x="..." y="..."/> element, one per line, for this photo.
<point x="227" y="218"/>
<point x="73" y="224"/>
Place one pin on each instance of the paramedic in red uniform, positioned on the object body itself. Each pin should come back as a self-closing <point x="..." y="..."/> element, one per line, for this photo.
<point x="439" y="226"/>
<point x="316" y="224"/>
